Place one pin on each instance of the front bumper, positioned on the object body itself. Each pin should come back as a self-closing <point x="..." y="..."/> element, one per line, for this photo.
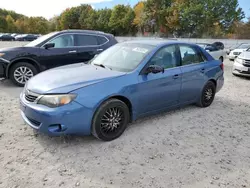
<point x="239" y="69"/>
<point x="3" y="65"/>
<point x="70" y="119"/>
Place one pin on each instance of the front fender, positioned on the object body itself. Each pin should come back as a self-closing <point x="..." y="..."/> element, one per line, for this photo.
<point x="22" y="59"/>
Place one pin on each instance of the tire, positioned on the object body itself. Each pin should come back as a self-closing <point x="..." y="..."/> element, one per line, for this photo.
<point x="221" y="59"/>
<point x="110" y="130"/>
<point x="204" y="101"/>
<point x="18" y="67"/>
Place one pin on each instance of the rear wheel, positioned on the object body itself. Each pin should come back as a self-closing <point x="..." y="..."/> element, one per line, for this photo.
<point x="207" y="95"/>
<point x="21" y="72"/>
<point x="110" y="120"/>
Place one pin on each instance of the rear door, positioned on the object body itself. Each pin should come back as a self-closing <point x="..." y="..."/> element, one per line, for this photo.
<point x="88" y="46"/>
<point x="63" y="53"/>
<point x="193" y="73"/>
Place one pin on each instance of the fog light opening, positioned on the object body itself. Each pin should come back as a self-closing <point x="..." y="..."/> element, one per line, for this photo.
<point x="57" y="128"/>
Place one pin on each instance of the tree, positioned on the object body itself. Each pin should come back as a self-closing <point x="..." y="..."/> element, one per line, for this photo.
<point x="103" y="20"/>
<point x="121" y="19"/>
<point x="139" y="20"/>
<point x="85" y="10"/>
<point x="155" y="11"/>
<point x="3" y="24"/>
<point x="10" y="24"/>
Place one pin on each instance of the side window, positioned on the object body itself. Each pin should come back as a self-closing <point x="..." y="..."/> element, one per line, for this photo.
<point x="102" y="40"/>
<point x="63" y="41"/>
<point x="166" y="57"/>
<point x="86" y="40"/>
<point x="189" y="55"/>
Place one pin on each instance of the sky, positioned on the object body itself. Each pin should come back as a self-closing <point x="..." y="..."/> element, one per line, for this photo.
<point x="50" y="8"/>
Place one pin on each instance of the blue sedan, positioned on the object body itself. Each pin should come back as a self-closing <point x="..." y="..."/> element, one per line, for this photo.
<point x="128" y="81"/>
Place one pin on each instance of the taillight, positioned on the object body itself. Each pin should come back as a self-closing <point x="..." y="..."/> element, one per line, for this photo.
<point x="222" y="66"/>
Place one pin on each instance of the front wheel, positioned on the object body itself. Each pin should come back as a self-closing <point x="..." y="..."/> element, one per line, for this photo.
<point x="21" y="72"/>
<point x="110" y="120"/>
<point x="207" y="95"/>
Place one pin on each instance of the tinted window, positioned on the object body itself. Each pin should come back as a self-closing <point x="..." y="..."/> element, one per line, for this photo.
<point x="189" y="55"/>
<point x="86" y="40"/>
<point x="63" y="41"/>
<point x="166" y="57"/>
<point x="102" y="40"/>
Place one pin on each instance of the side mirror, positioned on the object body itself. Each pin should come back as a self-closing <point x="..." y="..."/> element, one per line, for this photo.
<point x="49" y="45"/>
<point x="154" y="69"/>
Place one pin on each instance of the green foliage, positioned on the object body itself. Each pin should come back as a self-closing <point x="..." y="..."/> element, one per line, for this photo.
<point x="3" y="24"/>
<point x="186" y="18"/>
<point x="121" y="19"/>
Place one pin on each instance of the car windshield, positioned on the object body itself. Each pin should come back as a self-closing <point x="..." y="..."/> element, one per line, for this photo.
<point x="244" y="46"/>
<point x="123" y="57"/>
<point x="40" y="39"/>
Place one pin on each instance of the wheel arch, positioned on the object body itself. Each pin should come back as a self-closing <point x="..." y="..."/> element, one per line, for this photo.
<point x="121" y="98"/>
<point x="214" y="81"/>
<point x="27" y="60"/>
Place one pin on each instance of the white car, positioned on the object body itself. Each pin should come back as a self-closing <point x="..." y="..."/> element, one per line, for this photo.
<point x="215" y="52"/>
<point x="241" y="64"/>
<point x="236" y="52"/>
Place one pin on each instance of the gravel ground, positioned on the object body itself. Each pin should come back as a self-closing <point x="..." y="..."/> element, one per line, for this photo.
<point x="189" y="147"/>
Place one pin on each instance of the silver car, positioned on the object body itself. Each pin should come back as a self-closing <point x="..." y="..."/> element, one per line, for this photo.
<point x="241" y="64"/>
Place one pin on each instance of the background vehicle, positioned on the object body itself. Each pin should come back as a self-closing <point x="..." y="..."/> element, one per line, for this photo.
<point x="237" y="51"/>
<point x="233" y="47"/>
<point x="219" y="45"/>
<point x="26" y="37"/>
<point x="214" y="51"/>
<point x="52" y="50"/>
<point x="6" y="37"/>
<point x="241" y="64"/>
<point x="136" y="79"/>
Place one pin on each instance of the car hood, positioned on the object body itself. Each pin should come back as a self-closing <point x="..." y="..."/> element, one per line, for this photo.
<point x="13" y="49"/>
<point x="68" y="78"/>
<point x="245" y="55"/>
<point x="238" y="50"/>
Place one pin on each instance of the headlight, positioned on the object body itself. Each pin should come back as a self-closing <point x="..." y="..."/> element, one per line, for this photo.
<point x="239" y="60"/>
<point x="54" y="101"/>
<point x="2" y="54"/>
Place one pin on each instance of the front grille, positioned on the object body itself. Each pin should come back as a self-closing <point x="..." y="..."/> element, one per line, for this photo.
<point x="247" y="63"/>
<point x="34" y="122"/>
<point x="30" y="96"/>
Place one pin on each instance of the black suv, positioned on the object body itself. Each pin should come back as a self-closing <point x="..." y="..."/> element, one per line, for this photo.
<point x="52" y="50"/>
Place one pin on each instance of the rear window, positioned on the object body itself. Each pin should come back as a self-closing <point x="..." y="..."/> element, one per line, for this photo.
<point x="86" y="40"/>
<point x="102" y="40"/>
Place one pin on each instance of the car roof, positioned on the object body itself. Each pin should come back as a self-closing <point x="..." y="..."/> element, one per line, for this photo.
<point x="156" y="42"/>
<point x="82" y="31"/>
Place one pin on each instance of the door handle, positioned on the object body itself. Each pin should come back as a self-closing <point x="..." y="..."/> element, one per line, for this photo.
<point x="99" y="50"/>
<point x="72" y="51"/>
<point x="176" y="76"/>
<point x="202" y="70"/>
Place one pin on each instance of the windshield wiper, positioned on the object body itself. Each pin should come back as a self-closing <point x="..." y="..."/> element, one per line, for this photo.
<point x="103" y="66"/>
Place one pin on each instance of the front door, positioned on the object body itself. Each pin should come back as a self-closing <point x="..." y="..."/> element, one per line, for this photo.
<point x="161" y="90"/>
<point x="63" y="53"/>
